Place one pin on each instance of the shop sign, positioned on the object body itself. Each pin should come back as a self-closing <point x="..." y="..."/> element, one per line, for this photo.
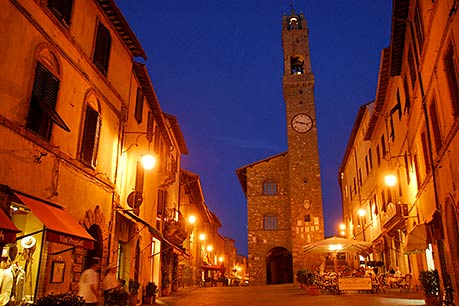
<point x="69" y="240"/>
<point x="7" y="236"/>
<point x="354" y="283"/>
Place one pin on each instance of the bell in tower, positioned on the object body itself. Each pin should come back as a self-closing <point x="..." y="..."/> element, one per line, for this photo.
<point x="297" y="64"/>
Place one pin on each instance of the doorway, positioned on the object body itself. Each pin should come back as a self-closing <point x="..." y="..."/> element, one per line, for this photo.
<point x="279" y="267"/>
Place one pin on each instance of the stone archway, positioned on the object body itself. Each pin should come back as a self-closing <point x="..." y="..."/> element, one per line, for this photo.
<point x="279" y="266"/>
<point x="94" y="223"/>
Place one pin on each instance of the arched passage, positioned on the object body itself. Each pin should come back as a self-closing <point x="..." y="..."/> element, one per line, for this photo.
<point x="279" y="268"/>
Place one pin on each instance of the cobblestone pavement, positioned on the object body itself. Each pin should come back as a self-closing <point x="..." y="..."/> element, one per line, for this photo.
<point x="284" y="295"/>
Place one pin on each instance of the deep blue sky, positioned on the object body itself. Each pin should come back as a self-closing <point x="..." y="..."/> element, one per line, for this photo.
<point x="217" y="66"/>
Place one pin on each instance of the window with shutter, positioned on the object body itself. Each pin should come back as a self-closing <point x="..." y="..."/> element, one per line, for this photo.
<point x="452" y="76"/>
<point x="102" y="48"/>
<point x="62" y="9"/>
<point x="150" y="126"/>
<point x="42" y="111"/>
<point x="139" y="105"/>
<point x="90" y="142"/>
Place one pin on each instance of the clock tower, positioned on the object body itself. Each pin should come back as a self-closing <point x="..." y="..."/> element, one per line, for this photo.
<point x="307" y="222"/>
<point x="283" y="191"/>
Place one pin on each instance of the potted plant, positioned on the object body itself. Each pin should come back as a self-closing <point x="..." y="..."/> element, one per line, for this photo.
<point x="133" y="291"/>
<point x="301" y="277"/>
<point x="117" y="297"/>
<point x="430" y="282"/>
<point x="150" y="293"/>
<point x="307" y="280"/>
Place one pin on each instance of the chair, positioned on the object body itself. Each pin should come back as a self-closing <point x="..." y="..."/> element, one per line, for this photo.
<point x="405" y="283"/>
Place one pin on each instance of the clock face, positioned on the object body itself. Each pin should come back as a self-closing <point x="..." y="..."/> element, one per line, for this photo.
<point x="301" y="123"/>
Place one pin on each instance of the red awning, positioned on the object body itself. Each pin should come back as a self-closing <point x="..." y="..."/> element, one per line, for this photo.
<point x="7" y="229"/>
<point x="60" y="226"/>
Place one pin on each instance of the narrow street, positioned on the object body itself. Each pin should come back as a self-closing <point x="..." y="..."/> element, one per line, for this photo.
<point x="286" y="295"/>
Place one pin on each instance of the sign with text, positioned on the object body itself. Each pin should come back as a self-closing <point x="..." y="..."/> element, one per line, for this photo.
<point x="69" y="240"/>
<point x="354" y="283"/>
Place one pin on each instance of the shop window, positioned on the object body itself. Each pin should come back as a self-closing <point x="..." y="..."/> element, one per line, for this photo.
<point x="139" y="105"/>
<point x="102" y="48"/>
<point x="270" y="222"/>
<point x="42" y="110"/>
<point x="121" y="259"/>
<point x="91" y="134"/>
<point x="62" y="9"/>
<point x="269" y="187"/>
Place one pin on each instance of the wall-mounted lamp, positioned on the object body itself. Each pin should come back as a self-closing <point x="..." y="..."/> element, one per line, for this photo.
<point x="192" y="219"/>
<point x="390" y="180"/>
<point x="148" y="161"/>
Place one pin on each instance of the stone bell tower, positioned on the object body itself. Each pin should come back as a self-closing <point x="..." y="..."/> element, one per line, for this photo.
<point x="283" y="191"/>
<point x="307" y="222"/>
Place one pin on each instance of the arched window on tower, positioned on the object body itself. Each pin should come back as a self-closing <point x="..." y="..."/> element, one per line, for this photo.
<point x="294" y="23"/>
<point x="297" y="64"/>
<point x="270" y="222"/>
<point x="269" y="187"/>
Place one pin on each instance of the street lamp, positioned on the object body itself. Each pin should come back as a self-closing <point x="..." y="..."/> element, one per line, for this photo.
<point x="390" y="180"/>
<point x="342" y="229"/>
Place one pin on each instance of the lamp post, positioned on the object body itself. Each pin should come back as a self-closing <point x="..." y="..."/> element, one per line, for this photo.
<point x="193" y="261"/>
<point x="361" y="212"/>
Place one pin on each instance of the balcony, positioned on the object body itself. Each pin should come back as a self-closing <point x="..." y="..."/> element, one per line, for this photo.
<point x="175" y="227"/>
<point x="394" y="214"/>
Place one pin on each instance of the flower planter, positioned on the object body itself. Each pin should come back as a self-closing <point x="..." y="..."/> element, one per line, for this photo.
<point x="148" y="300"/>
<point x="431" y="300"/>
<point x="312" y="290"/>
<point x="165" y="291"/>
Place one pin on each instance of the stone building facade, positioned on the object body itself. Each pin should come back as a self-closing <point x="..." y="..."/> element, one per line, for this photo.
<point x="410" y="131"/>
<point x="284" y="197"/>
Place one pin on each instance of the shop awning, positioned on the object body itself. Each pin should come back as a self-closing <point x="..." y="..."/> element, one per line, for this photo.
<point x="7" y="229"/>
<point x="157" y="234"/>
<point x="416" y="241"/>
<point x="60" y="226"/>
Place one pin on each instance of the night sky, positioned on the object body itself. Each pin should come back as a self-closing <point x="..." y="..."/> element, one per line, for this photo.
<point x="218" y="65"/>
